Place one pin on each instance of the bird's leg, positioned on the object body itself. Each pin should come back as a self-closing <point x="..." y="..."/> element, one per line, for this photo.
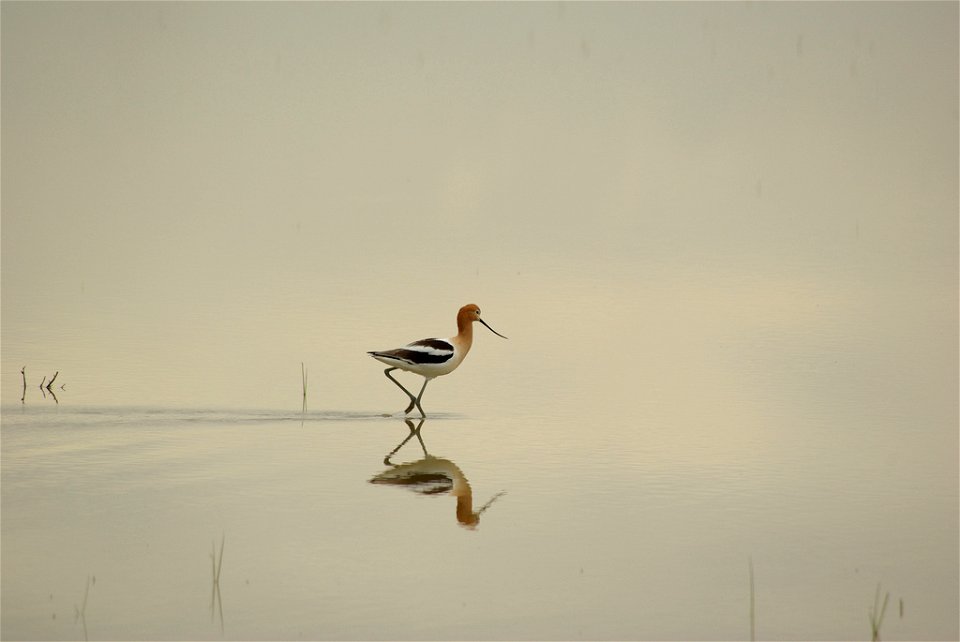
<point x="413" y="400"/>
<point x="417" y="401"/>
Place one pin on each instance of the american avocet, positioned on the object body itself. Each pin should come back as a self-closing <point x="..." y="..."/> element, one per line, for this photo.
<point x="431" y="476"/>
<point x="431" y="358"/>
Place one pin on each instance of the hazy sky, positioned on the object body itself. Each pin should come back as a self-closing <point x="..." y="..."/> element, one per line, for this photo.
<point x="136" y="126"/>
<point x="210" y="152"/>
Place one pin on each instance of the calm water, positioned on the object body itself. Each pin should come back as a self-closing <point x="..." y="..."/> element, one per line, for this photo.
<point x="721" y="239"/>
<point x="630" y="511"/>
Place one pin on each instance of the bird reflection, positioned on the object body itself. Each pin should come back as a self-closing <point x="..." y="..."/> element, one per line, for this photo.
<point x="433" y="476"/>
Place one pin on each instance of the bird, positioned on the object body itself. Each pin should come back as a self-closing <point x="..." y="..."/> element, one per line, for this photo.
<point x="433" y="476"/>
<point x="431" y="358"/>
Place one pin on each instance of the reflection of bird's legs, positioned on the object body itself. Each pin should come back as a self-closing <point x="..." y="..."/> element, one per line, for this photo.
<point x="413" y="400"/>
<point x="413" y="431"/>
<point x="416" y="431"/>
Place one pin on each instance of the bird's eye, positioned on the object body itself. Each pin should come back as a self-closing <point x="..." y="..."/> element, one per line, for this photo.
<point x="478" y="312"/>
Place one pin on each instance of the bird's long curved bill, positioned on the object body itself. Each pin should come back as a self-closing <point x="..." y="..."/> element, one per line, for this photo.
<point x="491" y="329"/>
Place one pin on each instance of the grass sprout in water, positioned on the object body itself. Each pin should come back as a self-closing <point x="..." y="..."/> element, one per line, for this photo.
<point x="80" y="612"/>
<point x="876" y="616"/>
<point x="216" y="563"/>
<point x="303" y="377"/>
<point x="753" y="602"/>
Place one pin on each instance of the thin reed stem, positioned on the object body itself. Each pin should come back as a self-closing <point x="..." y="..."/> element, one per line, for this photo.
<point x="753" y="611"/>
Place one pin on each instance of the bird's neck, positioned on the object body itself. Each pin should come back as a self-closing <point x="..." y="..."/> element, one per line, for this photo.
<point x="465" y="514"/>
<point x="464" y="327"/>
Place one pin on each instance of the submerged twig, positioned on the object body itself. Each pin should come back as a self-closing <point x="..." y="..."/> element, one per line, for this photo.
<point x="46" y="385"/>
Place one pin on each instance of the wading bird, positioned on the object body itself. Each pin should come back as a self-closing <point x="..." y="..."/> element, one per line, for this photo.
<point x="431" y="358"/>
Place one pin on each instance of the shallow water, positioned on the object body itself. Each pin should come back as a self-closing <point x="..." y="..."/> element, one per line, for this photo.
<point x="607" y="528"/>
<point x="721" y="239"/>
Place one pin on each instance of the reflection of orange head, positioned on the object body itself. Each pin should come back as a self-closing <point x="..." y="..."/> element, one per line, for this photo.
<point x="465" y="514"/>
